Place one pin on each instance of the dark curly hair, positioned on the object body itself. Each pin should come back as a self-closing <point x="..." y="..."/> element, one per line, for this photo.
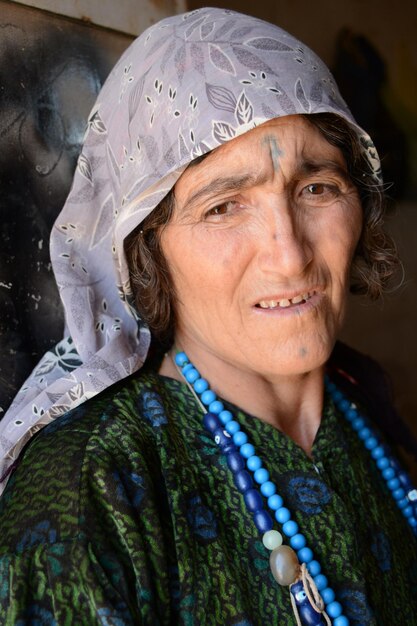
<point x="374" y="263"/>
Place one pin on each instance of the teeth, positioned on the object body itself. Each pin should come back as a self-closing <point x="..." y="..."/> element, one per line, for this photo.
<point x="285" y="302"/>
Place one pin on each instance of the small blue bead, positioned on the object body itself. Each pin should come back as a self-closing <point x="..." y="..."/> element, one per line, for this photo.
<point x="314" y="568"/>
<point x="341" y="621"/>
<point x="321" y="581"/>
<point x="298" y="541"/>
<point x="351" y="414"/>
<point x="405" y="481"/>
<point x="239" y="438"/>
<point x="388" y="473"/>
<point x="290" y="528"/>
<point x="235" y="461"/>
<point x="331" y="387"/>
<point x="378" y="452"/>
<point x="344" y="405"/>
<point x="243" y="480"/>
<point x="393" y="484"/>
<point x="232" y="427"/>
<point x="364" y="433"/>
<point x="253" y="500"/>
<point x="187" y="368"/>
<point x="382" y="463"/>
<point x="181" y="359"/>
<point x="412" y="521"/>
<point x="282" y="515"/>
<point x="398" y="494"/>
<point x="211" y="422"/>
<point x="201" y="385"/>
<point x="328" y="595"/>
<point x="254" y="463"/>
<point x="191" y="375"/>
<point x="407" y="511"/>
<point x="334" y="609"/>
<point x="305" y="555"/>
<point x="371" y="443"/>
<point x="358" y="423"/>
<point x="275" y="502"/>
<point x="402" y="503"/>
<point x="268" y="489"/>
<point x="216" y="407"/>
<point x="247" y="450"/>
<point x="263" y="521"/>
<point x="337" y="396"/>
<point x="261" y="475"/>
<point x="225" y="417"/>
<point x="207" y="397"/>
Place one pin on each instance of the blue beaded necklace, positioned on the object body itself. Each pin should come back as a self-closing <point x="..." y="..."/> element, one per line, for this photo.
<point x="313" y="600"/>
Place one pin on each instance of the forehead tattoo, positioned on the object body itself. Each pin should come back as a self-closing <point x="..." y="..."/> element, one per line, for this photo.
<point x="270" y="142"/>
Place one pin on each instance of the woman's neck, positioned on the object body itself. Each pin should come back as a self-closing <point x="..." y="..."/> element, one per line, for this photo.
<point x="292" y="404"/>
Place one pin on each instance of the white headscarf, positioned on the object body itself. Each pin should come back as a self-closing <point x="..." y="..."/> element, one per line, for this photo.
<point x="185" y="86"/>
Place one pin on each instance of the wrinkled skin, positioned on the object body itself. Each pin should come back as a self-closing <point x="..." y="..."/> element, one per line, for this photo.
<point x="270" y="216"/>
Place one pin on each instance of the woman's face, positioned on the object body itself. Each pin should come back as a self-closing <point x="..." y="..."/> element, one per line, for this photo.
<point x="260" y="247"/>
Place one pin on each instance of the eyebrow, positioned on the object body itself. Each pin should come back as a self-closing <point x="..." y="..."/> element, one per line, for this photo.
<point x="316" y="167"/>
<point x="232" y="184"/>
<point x="223" y="185"/>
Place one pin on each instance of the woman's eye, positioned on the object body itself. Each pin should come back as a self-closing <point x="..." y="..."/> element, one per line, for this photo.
<point x="221" y="209"/>
<point x="320" y="192"/>
<point x="316" y="188"/>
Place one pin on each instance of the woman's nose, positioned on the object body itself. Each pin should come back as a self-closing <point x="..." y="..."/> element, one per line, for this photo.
<point x="285" y="245"/>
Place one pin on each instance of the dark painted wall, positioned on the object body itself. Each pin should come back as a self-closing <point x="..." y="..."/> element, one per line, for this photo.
<point x="51" y="70"/>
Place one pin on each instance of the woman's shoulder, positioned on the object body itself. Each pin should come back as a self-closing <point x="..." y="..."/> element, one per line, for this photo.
<point x="367" y="382"/>
<point x="109" y="434"/>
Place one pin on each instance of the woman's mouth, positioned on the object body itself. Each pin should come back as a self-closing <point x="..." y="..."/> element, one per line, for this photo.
<point x="285" y="303"/>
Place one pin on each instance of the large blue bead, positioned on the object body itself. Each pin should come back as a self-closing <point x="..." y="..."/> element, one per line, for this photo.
<point x="334" y="609"/>
<point x="216" y="407"/>
<point x="261" y="475"/>
<point x="224" y="441"/>
<point x="191" y="375"/>
<point x="321" y="581"/>
<point x="263" y="521"/>
<point x="240" y="438"/>
<point x="243" y="480"/>
<point x="232" y="427"/>
<point x="225" y="416"/>
<point x="268" y="489"/>
<point x="201" y="385"/>
<point x="305" y="555"/>
<point x="328" y="595"/>
<point x="298" y="541"/>
<point x="253" y="500"/>
<point x="290" y="528"/>
<point x="314" y="568"/>
<point x="181" y="359"/>
<point x="275" y="502"/>
<point x="207" y="397"/>
<point x="282" y="515"/>
<point x="254" y="463"/>
<point x="235" y="461"/>
<point x="211" y="422"/>
<point x="247" y="450"/>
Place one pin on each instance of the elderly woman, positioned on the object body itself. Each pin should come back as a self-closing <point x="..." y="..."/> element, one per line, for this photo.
<point x="220" y="461"/>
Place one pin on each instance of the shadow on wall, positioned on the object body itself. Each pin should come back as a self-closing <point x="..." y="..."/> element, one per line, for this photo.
<point x="51" y="70"/>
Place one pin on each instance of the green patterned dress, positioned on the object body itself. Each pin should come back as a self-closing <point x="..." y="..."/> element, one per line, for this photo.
<point x="124" y="512"/>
